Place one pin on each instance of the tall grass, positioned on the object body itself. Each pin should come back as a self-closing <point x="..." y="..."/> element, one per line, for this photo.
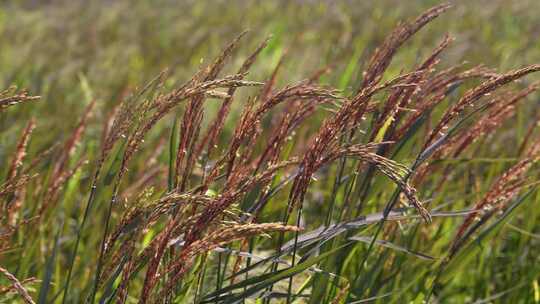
<point x="388" y="189"/>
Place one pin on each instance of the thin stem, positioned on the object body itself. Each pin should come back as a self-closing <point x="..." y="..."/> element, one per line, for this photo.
<point x="80" y="229"/>
<point x="298" y="219"/>
<point x="102" y="247"/>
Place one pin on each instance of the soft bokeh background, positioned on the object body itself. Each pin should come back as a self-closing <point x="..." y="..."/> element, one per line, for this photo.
<point x="52" y="47"/>
<point x="70" y="52"/>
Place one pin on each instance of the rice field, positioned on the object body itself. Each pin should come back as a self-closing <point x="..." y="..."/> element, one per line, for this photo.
<point x="269" y="152"/>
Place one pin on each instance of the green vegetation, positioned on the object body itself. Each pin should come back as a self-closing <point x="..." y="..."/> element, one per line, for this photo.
<point x="336" y="152"/>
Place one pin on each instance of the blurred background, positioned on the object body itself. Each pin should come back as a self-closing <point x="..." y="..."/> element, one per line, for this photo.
<point x="63" y="50"/>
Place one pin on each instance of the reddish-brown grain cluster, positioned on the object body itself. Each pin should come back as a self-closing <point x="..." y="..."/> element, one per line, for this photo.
<point x="10" y="97"/>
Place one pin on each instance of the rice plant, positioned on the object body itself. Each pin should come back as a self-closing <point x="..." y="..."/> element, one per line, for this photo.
<point x="388" y="189"/>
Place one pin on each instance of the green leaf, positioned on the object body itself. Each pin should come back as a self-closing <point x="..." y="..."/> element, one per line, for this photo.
<point x="387" y="244"/>
<point x="86" y="89"/>
<point x="472" y="248"/>
<point x="263" y="281"/>
<point x="49" y="268"/>
<point x="382" y="131"/>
